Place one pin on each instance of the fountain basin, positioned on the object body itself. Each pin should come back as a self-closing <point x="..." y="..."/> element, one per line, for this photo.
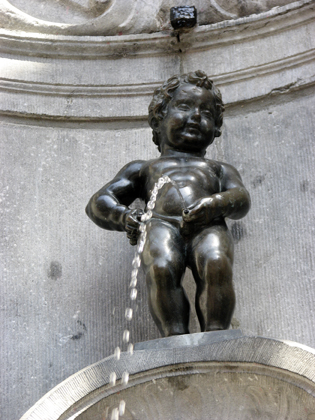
<point x="216" y="375"/>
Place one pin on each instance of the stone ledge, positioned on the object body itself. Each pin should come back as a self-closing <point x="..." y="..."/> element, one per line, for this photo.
<point x="197" y="339"/>
<point x="90" y="81"/>
<point x="142" y="89"/>
<point x="77" y="108"/>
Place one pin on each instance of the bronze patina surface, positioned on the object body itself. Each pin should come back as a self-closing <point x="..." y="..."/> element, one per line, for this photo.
<point x="188" y="226"/>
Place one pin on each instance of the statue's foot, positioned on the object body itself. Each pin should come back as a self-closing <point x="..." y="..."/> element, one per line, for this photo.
<point x="216" y="326"/>
<point x="177" y="330"/>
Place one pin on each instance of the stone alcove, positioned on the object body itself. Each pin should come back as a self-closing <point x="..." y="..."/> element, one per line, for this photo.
<point x="74" y="105"/>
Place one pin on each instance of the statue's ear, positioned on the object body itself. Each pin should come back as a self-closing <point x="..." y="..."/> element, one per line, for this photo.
<point x="217" y="133"/>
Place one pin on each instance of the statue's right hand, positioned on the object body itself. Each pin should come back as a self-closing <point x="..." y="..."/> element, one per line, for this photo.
<point x="132" y="225"/>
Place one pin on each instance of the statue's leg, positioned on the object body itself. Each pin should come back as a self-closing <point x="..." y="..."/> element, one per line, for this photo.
<point x="163" y="261"/>
<point x="211" y="259"/>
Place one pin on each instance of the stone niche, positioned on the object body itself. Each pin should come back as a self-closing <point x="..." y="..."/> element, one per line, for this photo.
<point x="74" y="95"/>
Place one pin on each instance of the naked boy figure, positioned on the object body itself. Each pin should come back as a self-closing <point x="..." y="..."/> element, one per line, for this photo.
<point x="188" y="226"/>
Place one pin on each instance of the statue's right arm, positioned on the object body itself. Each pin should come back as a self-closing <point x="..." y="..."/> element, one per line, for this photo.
<point x="108" y="208"/>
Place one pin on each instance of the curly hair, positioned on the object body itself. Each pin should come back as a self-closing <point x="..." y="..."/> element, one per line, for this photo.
<point x="163" y="95"/>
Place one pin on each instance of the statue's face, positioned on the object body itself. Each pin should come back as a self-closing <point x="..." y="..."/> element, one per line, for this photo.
<point x="189" y="123"/>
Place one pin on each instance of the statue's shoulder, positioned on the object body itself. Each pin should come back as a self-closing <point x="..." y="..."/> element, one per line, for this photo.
<point x="151" y="164"/>
<point x="229" y="175"/>
<point x="224" y="170"/>
<point x="215" y="165"/>
<point x="133" y="167"/>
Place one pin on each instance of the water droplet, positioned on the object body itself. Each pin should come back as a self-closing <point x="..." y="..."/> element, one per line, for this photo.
<point x="126" y="336"/>
<point x="133" y="294"/>
<point x="134" y="275"/>
<point x="136" y="261"/>
<point x="117" y="353"/>
<point x="140" y="246"/>
<point x="130" y="348"/>
<point x="155" y="190"/>
<point x="125" y="378"/>
<point x="128" y="314"/>
<point x="143" y="236"/>
<point x="145" y="217"/>
<point x="122" y="407"/>
<point x="112" y="379"/>
<point x="160" y="183"/>
<point x="115" y="414"/>
<point x="150" y="205"/>
<point x="133" y="283"/>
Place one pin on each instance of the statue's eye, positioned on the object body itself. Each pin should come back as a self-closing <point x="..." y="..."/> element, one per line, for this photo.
<point x="183" y="107"/>
<point x="207" y="113"/>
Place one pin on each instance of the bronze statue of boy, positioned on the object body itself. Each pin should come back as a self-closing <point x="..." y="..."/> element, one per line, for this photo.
<point x="188" y="226"/>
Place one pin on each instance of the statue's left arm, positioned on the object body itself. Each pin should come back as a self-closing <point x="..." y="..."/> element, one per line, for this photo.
<point x="232" y="201"/>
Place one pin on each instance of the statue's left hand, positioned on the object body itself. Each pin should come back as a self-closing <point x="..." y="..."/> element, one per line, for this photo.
<point x="201" y="213"/>
<point x="132" y="225"/>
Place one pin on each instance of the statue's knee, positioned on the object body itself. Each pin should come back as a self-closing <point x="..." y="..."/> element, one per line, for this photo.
<point x="219" y="257"/>
<point x="164" y="274"/>
<point x="218" y="262"/>
<point x="158" y="274"/>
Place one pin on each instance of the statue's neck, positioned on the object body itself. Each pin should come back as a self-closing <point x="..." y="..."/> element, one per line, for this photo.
<point x="166" y="152"/>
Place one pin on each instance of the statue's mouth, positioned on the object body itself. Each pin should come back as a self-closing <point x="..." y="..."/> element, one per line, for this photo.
<point x="193" y="126"/>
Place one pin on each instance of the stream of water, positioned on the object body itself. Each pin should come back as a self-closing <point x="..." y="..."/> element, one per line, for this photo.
<point x="136" y="262"/>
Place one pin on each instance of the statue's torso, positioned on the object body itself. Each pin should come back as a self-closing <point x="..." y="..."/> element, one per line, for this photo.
<point x="195" y="178"/>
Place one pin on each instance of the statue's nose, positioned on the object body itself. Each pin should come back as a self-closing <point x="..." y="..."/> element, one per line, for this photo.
<point x="195" y="115"/>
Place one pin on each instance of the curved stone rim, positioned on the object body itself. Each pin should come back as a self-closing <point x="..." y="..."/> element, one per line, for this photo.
<point x="190" y="369"/>
<point x="89" y="47"/>
<point x="283" y="355"/>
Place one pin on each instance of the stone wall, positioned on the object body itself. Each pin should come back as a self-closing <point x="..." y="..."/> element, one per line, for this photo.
<point x="73" y="112"/>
